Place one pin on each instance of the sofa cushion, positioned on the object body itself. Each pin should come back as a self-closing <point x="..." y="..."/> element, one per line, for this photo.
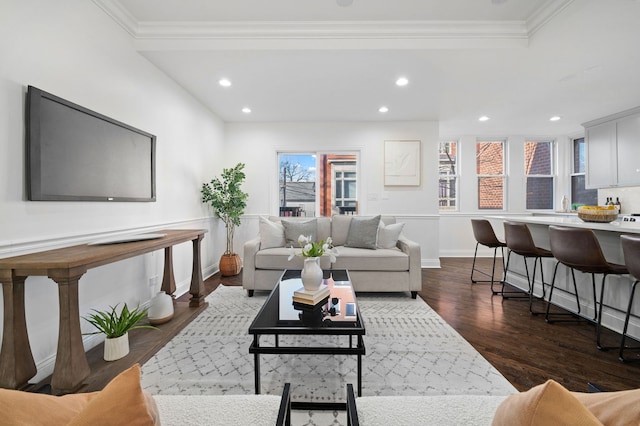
<point x="27" y="408"/>
<point x="388" y="235"/>
<point x="278" y="258"/>
<point x="440" y="410"/>
<point x="546" y="404"/>
<point x="363" y="232"/>
<point x="357" y="259"/>
<point x="613" y="408"/>
<point x="340" y="229"/>
<point x="271" y="233"/>
<point x="122" y="401"/>
<point x="293" y="230"/>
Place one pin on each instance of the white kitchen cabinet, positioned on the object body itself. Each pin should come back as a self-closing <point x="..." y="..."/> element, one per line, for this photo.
<point x="628" y="144"/>
<point x="601" y="155"/>
<point x="613" y="150"/>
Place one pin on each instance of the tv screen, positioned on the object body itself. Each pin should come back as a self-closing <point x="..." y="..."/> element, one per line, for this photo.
<point x="75" y="154"/>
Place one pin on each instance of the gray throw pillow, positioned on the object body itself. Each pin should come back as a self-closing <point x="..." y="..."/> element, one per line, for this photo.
<point x="363" y="232"/>
<point x="293" y="229"/>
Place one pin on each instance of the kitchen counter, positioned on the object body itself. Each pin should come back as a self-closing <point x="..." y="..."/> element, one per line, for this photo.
<point x="561" y="220"/>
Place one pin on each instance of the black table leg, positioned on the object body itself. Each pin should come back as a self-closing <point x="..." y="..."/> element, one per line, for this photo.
<point x="256" y="364"/>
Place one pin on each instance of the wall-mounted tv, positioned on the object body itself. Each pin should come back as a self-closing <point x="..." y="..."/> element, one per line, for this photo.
<point x="75" y="154"/>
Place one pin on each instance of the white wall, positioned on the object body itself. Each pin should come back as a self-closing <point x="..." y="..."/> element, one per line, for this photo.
<point x="72" y="49"/>
<point x="257" y="144"/>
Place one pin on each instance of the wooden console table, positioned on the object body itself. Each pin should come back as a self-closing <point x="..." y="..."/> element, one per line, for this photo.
<point x="66" y="266"/>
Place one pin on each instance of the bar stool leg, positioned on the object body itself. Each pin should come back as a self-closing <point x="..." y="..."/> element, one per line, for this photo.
<point x="626" y="325"/>
<point x="533" y="281"/>
<point x="553" y="284"/>
<point x="493" y="268"/>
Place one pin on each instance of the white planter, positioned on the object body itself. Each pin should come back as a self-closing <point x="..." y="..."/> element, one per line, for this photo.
<point x="160" y="309"/>
<point x="311" y="274"/>
<point x="116" y="348"/>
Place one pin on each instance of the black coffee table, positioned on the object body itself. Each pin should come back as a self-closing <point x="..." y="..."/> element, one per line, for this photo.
<point x="338" y="316"/>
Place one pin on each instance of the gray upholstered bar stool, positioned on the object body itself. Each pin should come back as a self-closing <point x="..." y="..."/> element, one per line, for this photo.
<point x="580" y="250"/>
<point x="631" y="250"/>
<point x="484" y="234"/>
<point x="519" y="241"/>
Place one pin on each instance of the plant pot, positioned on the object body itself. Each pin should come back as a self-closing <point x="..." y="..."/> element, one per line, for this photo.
<point x="311" y="274"/>
<point x="116" y="347"/>
<point x="230" y="265"/>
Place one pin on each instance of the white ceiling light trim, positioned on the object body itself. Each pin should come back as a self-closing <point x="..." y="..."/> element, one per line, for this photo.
<point x="402" y="81"/>
<point x="383" y="109"/>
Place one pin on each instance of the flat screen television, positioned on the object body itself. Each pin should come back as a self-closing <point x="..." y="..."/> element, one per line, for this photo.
<point x="75" y="154"/>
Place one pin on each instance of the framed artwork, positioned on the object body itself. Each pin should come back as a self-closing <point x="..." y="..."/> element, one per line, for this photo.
<point x="402" y="163"/>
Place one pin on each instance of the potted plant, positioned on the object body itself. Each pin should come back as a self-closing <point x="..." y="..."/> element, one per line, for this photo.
<point x="228" y="202"/>
<point x="115" y="326"/>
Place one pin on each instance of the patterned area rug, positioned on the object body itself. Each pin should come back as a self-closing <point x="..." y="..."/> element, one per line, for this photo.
<point x="410" y="349"/>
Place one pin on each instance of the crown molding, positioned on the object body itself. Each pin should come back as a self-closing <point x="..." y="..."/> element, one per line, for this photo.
<point x="545" y="14"/>
<point x="346" y="34"/>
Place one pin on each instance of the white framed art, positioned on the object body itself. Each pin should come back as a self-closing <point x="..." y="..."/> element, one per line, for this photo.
<point x="402" y="163"/>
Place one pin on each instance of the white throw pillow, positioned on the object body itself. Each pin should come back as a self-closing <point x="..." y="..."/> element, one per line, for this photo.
<point x="388" y="235"/>
<point x="271" y="234"/>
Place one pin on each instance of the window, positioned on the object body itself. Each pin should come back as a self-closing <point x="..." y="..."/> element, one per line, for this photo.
<point x="311" y="181"/>
<point x="538" y="168"/>
<point x="448" y="176"/>
<point x="579" y="194"/>
<point x="490" y="171"/>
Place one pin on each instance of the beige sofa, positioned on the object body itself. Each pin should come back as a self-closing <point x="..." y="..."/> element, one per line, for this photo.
<point x="390" y="266"/>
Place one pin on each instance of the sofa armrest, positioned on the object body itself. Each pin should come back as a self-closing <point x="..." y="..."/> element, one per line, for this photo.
<point x="412" y="249"/>
<point x="250" y="250"/>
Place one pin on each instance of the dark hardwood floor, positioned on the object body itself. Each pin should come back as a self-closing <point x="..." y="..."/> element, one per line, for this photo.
<point x="523" y="347"/>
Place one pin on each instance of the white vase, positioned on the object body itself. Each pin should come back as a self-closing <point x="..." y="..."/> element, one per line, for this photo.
<point x="160" y="308"/>
<point x="311" y="274"/>
<point x="116" y="348"/>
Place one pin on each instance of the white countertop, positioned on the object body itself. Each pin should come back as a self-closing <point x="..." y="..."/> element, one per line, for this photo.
<point x="573" y="221"/>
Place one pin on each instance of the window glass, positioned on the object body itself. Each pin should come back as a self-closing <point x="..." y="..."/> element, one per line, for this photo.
<point x="538" y="168"/>
<point x="317" y="184"/>
<point x="579" y="194"/>
<point x="491" y="178"/>
<point x="448" y="176"/>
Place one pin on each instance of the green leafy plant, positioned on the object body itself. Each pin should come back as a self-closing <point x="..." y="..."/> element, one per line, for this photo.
<point x="113" y="324"/>
<point x="227" y="199"/>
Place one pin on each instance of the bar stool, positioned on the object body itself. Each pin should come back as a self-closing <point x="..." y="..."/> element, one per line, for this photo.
<point x="519" y="241"/>
<point x="483" y="233"/>
<point x="580" y="250"/>
<point x="631" y="250"/>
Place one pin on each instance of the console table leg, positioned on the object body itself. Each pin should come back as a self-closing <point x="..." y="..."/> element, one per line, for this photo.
<point x="197" y="283"/>
<point x="16" y="360"/>
<point x="168" y="279"/>
<point x="71" y="366"/>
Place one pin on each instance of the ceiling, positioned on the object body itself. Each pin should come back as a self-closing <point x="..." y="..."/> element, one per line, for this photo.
<point x="517" y="61"/>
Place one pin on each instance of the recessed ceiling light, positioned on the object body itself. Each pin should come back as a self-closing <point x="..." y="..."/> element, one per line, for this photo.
<point x="483" y="118"/>
<point x="383" y="109"/>
<point x="554" y="118"/>
<point x="224" y="82"/>
<point x="402" y="81"/>
<point x="246" y="110"/>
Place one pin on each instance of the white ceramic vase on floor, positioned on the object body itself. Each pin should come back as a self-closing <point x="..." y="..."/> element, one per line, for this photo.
<point x="311" y="274"/>
<point x="116" y="348"/>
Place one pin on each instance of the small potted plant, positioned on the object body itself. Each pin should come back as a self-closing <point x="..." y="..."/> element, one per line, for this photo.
<point x="115" y="326"/>
<point x="228" y="201"/>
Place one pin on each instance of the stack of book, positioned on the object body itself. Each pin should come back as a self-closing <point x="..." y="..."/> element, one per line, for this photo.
<point x="311" y="298"/>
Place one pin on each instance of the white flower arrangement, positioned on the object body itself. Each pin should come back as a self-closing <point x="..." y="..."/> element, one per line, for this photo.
<point x="313" y="249"/>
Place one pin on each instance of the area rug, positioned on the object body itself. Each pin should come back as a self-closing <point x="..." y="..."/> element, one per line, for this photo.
<point x="410" y="350"/>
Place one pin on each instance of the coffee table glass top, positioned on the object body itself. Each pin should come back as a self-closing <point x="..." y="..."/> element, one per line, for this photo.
<point x="279" y="313"/>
